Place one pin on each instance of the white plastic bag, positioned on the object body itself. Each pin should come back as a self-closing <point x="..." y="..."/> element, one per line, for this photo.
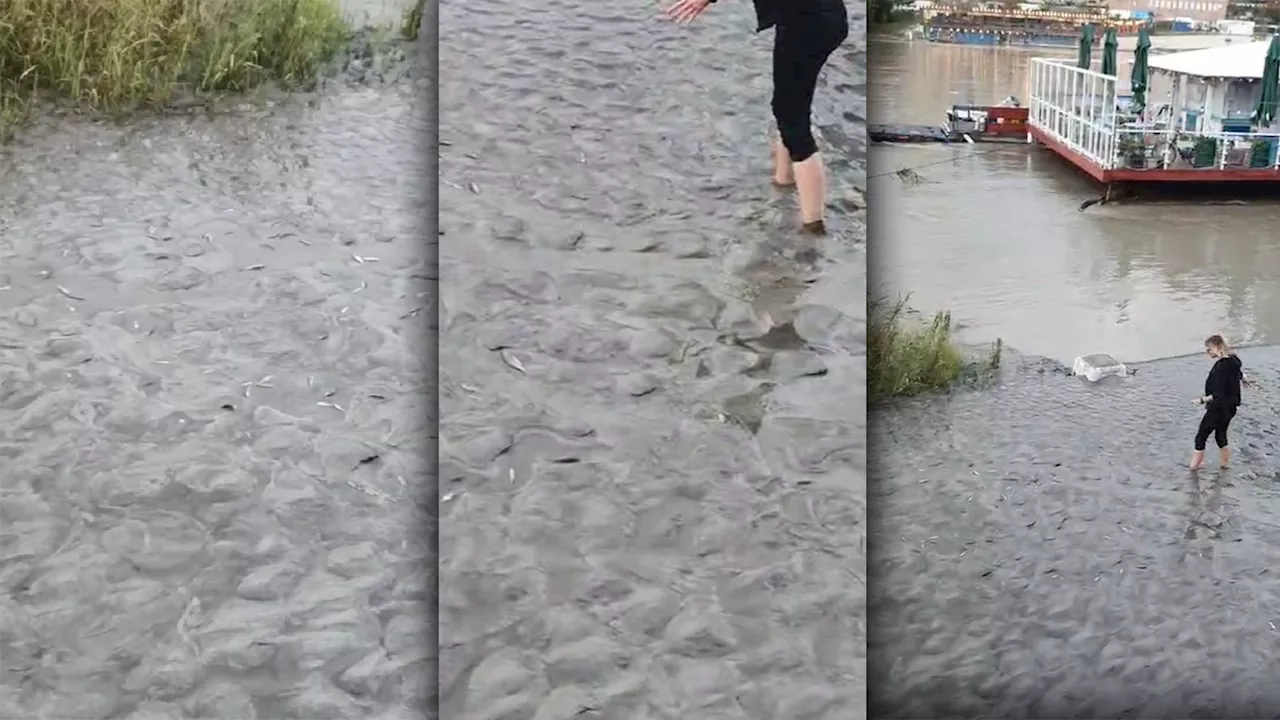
<point x="1097" y="366"/>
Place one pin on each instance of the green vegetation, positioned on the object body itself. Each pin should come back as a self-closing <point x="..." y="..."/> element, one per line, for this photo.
<point x="411" y="22"/>
<point x="908" y="357"/>
<point x="116" y="56"/>
<point x="883" y="14"/>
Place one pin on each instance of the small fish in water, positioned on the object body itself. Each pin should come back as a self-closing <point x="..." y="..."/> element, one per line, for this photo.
<point x="255" y="266"/>
<point x="331" y="405"/>
<point x="67" y="294"/>
<point x="513" y="362"/>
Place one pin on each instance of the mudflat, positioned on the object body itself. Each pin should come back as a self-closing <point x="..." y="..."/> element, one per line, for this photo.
<point x="652" y="449"/>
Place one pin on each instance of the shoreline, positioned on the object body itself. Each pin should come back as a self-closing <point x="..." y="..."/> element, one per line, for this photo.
<point x="367" y="54"/>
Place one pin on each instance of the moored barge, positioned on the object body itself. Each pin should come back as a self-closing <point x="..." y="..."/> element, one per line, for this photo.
<point x="1016" y="27"/>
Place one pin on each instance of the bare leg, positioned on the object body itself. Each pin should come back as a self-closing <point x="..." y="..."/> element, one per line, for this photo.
<point x="1197" y="460"/>
<point x="782" y="175"/>
<point x="1224" y="456"/>
<point x="811" y="185"/>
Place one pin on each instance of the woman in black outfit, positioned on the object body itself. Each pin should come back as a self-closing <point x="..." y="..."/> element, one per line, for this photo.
<point x="1221" y="399"/>
<point x="808" y="31"/>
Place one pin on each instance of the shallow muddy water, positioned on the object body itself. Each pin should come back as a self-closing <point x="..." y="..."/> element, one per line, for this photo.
<point x="652" y="390"/>
<point x="214" y="413"/>
<point x="1075" y="568"/>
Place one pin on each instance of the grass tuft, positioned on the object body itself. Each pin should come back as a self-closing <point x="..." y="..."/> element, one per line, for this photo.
<point x="411" y="22"/>
<point x="907" y="357"/>
<point x="117" y="56"/>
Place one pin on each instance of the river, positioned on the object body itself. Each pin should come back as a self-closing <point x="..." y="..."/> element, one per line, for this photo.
<point x="1038" y="548"/>
<point x="652" y="389"/>
<point x="215" y="409"/>
<point x="994" y="233"/>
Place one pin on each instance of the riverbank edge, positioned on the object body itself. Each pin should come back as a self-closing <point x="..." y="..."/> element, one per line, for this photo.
<point x="364" y="50"/>
<point x="908" y="357"/>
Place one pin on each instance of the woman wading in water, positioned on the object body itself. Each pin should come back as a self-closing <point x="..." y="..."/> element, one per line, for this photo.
<point x="808" y="31"/>
<point x="1221" y="399"/>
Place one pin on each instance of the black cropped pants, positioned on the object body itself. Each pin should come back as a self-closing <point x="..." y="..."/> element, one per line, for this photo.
<point x="801" y="46"/>
<point x="1215" y="422"/>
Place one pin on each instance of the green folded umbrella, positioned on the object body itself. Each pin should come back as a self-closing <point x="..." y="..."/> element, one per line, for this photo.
<point x="1270" y="95"/>
<point x="1085" y="58"/>
<point x="1110" y="51"/>
<point x="1138" y="78"/>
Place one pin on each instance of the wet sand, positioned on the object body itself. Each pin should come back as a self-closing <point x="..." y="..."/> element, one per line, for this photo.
<point x="214" y="413"/>
<point x="652" y="390"/>
<point x="1075" y="568"/>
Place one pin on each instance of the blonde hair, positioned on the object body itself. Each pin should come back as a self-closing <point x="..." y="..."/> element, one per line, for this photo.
<point x="1219" y="342"/>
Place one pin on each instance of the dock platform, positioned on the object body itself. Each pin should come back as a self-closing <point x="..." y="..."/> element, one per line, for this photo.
<point x="964" y="124"/>
<point x="1075" y="115"/>
<point x="909" y="134"/>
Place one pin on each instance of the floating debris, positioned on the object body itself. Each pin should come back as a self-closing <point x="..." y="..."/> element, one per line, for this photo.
<point x="911" y="177"/>
<point x="255" y="266"/>
<point x="511" y="473"/>
<point x="359" y="260"/>
<point x="473" y="188"/>
<point x="331" y="405"/>
<point x="448" y="496"/>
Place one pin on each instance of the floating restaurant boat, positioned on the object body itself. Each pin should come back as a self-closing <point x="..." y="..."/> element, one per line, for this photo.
<point x="1219" y="125"/>
<point x="1011" y="27"/>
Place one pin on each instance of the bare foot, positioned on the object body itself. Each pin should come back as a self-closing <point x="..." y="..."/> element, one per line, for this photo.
<point x="787" y="183"/>
<point x="817" y="227"/>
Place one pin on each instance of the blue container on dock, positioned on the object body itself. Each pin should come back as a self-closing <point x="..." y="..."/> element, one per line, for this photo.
<point x="1182" y="27"/>
<point x="1140" y="14"/>
<point x="1237" y="125"/>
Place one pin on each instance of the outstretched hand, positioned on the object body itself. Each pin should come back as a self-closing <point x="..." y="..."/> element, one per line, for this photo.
<point x="686" y="11"/>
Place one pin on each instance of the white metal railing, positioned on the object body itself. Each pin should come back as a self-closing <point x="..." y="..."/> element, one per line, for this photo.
<point x="1075" y="106"/>
<point x="1152" y="149"/>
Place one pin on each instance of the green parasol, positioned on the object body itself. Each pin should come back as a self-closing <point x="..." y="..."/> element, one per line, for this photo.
<point x="1085" y="58"/>
<point x="1267" y="100"/>
<point x="1110" y="49"/>
<point x="1138" y="78"/>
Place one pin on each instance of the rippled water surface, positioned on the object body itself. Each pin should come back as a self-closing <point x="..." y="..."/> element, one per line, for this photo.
<point x="652" y="390"/>
<point x="1039" y="549"/>
<point x="1074" y="567"/>
<point x="213" y="413"/>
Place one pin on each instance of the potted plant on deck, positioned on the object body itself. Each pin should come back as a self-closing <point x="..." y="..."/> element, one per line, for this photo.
<point x="1205" y="153"/>
<point x="1133" y="152"/>
<point x="1261" y="152"/>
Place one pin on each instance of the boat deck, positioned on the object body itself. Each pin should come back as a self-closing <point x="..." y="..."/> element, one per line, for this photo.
<point x="1074" y="115"/>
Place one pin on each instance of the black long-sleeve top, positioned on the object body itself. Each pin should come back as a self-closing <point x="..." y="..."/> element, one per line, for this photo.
<point x="777" y="12"/>
<point x="1223" y="382"/>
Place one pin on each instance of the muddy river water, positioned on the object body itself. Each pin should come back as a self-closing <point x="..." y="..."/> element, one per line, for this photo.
<point x="214" y="411"/>
<point x="1038" y="549"/>
<point x="652" y="390"/>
